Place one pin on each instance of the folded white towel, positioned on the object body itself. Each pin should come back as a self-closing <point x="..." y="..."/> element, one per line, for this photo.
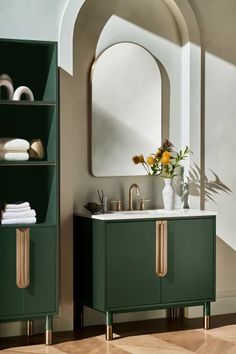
<point x="13" y="144"/>
<point x="16" y="210"/>
<point x="17" y="205"/>
<point x="14" y="156"/>
<point x="31" y="220"/>
<point x="18" y="214"/>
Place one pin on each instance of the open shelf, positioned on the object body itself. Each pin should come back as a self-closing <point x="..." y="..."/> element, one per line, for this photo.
<point x="31" y="122"/>
<point x="33" y="65"/>
<point x="26" y="103"/>
<point x="27" y="163"/>
<point x="37" y="225"/>
<point x="34" y="185"/>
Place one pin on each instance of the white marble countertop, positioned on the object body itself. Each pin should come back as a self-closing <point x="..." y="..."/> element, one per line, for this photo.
<point x="150" y="214"/>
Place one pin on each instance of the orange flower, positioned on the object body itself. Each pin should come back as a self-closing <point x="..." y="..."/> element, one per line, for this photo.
<point x="138" y="159"/>
<point x="150" y="160"/>
<point x="165" y="159"/>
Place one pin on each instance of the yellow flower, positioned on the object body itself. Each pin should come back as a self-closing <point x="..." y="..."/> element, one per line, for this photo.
<point x="150" y="160"/>
<point x="138" y="159"/>
<point x="165" y="159"/>
<point x="158" y="153"/>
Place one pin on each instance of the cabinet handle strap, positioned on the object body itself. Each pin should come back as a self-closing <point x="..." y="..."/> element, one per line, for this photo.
<point x="22" y="258"/>
<point x="161" y="249"/>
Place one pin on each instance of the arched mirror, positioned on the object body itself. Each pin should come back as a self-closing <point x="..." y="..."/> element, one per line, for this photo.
<point x="126" y="109"/>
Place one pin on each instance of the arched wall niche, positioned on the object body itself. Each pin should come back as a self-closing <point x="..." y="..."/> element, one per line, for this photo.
<point x="181" y="10"/>
<point x="189" y="111"/>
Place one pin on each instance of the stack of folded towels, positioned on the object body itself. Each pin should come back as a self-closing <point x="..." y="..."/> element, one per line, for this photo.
<point x="19" y="213"/>
<point x="12" y="149"/>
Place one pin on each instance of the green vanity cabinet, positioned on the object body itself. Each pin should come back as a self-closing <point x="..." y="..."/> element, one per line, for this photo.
<point x="131" y="279"/>
<point x="191" y="261"/>
<point x="130" y="265"/>
<point x="40" y="296"/>
<point x="29" y="253"/>
<point x="11" y="297"/>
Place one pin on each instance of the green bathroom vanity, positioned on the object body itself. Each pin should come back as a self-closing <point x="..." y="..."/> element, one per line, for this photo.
<point x="142" y="261"/>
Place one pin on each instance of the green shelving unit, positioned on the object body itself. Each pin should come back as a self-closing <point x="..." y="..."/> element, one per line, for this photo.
<point x="32" y="64"/>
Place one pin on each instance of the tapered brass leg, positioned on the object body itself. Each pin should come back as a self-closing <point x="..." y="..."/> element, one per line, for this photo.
<point x="207" y="322"/>
<point x="48" y="337"/>
<point x="206" y="313"/>
<point x="175" y="312"/>
<point x="109" y="332"/>
<point x="48" y="332"/>
<point x="29" y="328"/>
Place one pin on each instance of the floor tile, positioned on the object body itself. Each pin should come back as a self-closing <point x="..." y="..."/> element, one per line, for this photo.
<point x="227" y="333"/>
<point x="148" y="344"/>
<point x="217" y="346"/>
<point x="35" y="349"/>
<point x="191" y="340"/>
<point x="90" y="346"/>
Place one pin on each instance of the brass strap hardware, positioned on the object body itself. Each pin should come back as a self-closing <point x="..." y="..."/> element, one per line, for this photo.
<point x="22" y="258"/>
<point x="161" y="248"/>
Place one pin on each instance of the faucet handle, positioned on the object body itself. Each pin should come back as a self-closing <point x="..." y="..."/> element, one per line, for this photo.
<point x="142" y="203"/>
<point x="116" y="205"/>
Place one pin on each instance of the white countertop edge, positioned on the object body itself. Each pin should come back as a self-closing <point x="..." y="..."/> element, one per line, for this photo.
<point x="150" y="214"/>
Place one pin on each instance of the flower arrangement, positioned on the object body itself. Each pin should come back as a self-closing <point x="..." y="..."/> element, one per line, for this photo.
<point x="164" y="162"/>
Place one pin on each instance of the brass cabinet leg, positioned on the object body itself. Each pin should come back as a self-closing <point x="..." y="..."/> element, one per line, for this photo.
<point x="29" y="328"/>
<point x="175" y="312"/>
<point x="48" y="334"/>
<point x="109" y="320"/>
<point x="206" y="314"/>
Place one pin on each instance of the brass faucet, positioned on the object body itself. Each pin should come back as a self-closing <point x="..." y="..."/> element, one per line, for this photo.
<point x="134" y="185"/>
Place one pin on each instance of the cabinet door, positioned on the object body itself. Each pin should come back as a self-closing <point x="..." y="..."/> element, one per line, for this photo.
<point x="11" y="297"/>
<point x="131" y="277"/>
<point x="191" y="261"/>
<point x="41" y="295"/>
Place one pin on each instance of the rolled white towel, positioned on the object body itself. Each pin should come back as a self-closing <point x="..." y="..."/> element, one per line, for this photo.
<point x="18" y="214"/>
<point x="14" y="144"/>
<point x="31" y="220"/>
<point x="14" y="156"/>
<point x="17" y="205"/>
<point x="16" y="210"/>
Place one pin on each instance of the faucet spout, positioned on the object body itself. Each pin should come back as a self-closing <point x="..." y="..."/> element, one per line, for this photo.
<point x="132" y="187"/>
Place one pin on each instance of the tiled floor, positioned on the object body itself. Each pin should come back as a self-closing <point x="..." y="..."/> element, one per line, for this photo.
<point x="219" y="340"/>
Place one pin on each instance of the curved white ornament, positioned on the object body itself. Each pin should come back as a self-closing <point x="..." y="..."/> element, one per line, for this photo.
<point x="168" y="194"/>
<point x="6" y="81"/>
<point x="5" y="77"/>
<point x="23" y="90"/>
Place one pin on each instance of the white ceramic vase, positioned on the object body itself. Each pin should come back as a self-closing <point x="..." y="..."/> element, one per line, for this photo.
<point x="168" y="194"/>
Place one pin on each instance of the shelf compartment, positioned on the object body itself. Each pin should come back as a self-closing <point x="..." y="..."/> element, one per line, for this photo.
<point x="31" y="122"/>
<point x="38" y="186"/>
<point x="31" y="64"/>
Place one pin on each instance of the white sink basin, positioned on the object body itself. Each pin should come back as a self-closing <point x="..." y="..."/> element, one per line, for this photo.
<point x="140" y="212"/>
<point x="152" y="214"/>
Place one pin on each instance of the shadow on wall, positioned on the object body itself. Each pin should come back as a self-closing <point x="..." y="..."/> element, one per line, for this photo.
<point x="193" y="186"/>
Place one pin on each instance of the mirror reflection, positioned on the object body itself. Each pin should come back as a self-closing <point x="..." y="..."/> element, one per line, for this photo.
<point x="126" y="109"/>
